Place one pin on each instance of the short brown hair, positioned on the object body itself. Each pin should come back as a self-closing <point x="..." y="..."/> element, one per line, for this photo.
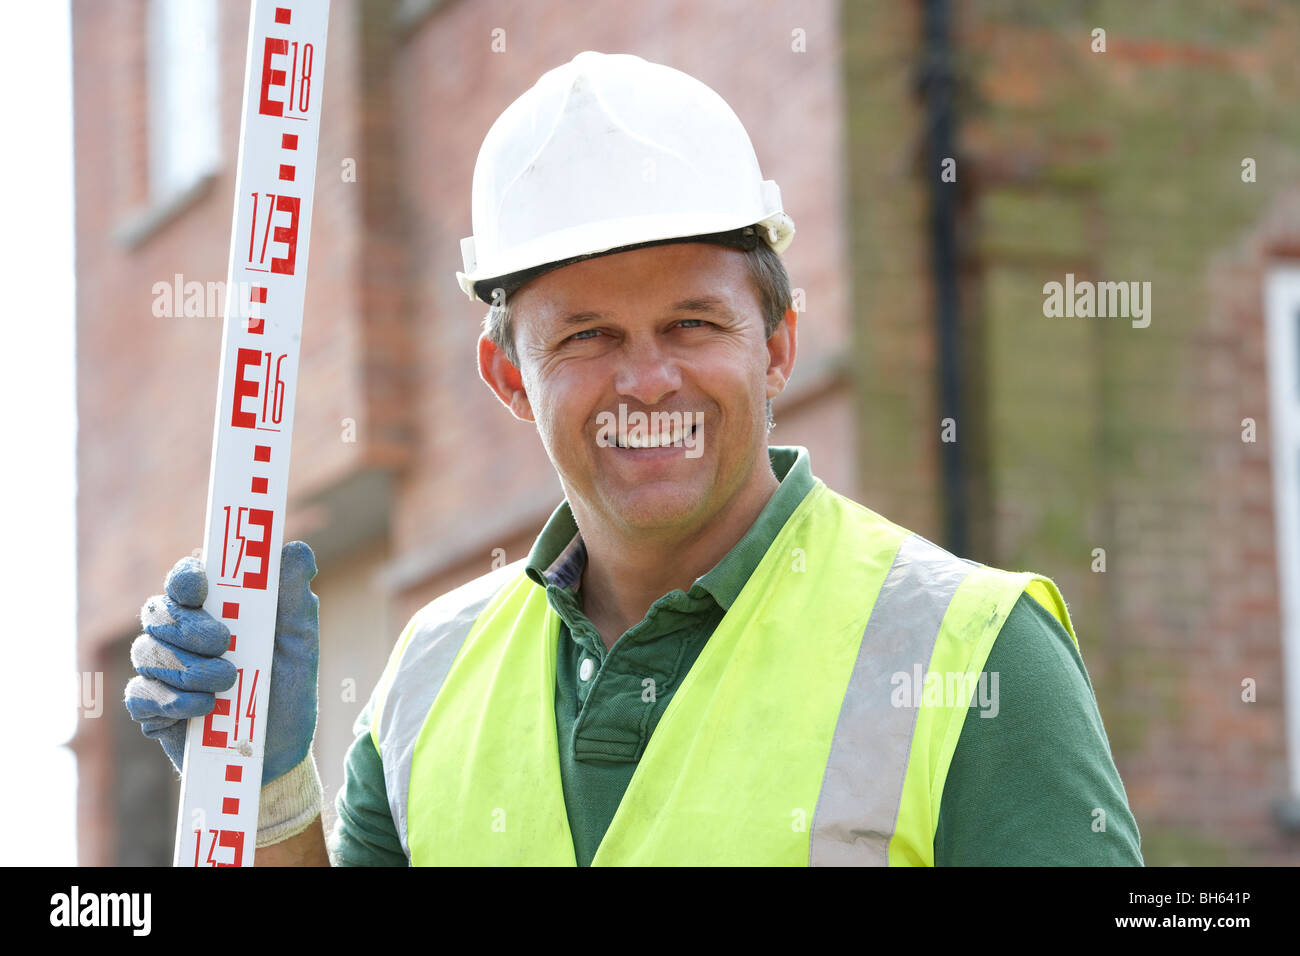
<point x="765" y="269"/>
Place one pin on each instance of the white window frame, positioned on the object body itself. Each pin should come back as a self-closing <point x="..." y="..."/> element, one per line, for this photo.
<point x="183" y="95"/>
<point x="1282" y="317"/>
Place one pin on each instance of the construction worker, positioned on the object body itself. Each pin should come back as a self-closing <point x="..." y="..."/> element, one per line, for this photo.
<point x="709" y="656"/>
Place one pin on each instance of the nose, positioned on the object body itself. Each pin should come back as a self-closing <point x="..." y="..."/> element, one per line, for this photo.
<point x="646" y="373"/>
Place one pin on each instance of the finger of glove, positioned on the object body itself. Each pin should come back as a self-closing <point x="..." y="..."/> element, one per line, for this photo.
<point x="192" y="629"/>
<point x="147" y="698"/>
<point x="154" y="727"/>
<point x="292" y="722"/>
<point x="173" y="743"/>
<point x="179" y="668"/>
<point x="186" y="583"/>
<point x="296" y="607"/>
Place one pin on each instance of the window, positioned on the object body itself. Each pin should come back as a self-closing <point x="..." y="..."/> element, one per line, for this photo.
<point x="1282" y="304"/>
<point x="183" y="95"/>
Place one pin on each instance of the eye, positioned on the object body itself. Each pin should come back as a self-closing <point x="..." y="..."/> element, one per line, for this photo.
<point x="699" y="323"/>
<point x="584" y="334"/>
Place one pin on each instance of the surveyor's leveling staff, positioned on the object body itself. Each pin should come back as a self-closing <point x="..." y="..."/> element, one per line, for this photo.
<point x="247" y="488"/>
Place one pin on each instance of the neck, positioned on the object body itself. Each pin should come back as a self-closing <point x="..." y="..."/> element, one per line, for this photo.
<point x="627" y="570"/>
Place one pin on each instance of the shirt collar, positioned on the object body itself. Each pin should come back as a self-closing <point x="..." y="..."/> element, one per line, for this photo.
<point x="558" y="556"/>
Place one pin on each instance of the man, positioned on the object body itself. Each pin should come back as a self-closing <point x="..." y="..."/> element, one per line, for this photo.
<point x="709" y="657"/>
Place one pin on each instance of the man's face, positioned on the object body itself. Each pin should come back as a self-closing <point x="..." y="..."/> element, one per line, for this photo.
<point x="674" y="335"/>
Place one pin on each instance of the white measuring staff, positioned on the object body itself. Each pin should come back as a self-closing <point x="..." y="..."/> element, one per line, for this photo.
<point x="247" y="488"/>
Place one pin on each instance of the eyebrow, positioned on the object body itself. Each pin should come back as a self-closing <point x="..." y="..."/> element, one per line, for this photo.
<point x="704" y="303"/>
<point x="577" y="317"/>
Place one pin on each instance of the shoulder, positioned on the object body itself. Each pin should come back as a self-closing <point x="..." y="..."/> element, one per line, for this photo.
<point x="1032" y="780"/>
<point x="472" y="595"/>
<point x="1041" y="679"/>
<point x="455" y="611"/>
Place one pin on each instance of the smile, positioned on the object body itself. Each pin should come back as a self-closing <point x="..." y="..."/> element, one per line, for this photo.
<point x="642" y="432"/>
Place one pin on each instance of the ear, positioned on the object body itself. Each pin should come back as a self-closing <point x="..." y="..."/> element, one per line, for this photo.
<point x="503" y="378"/>
<point x="780" y="353"/>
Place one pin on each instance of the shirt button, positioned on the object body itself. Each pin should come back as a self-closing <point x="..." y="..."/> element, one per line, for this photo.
<point x="584" y="672"/>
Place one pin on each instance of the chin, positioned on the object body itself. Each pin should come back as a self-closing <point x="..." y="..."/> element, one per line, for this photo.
<point x="651" y="511"/>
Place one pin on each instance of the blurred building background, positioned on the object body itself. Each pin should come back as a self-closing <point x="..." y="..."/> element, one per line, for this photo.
<point x="1149" y="471"/>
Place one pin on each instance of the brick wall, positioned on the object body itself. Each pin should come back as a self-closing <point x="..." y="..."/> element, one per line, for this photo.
<point x="1126" y="165"/>
<point x="1090" y="433"/>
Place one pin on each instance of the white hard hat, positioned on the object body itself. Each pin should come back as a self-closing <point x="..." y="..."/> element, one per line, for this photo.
<point x="607" y="152"/>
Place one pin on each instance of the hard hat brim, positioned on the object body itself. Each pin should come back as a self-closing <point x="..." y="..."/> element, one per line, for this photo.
<point x="776" y="231"/>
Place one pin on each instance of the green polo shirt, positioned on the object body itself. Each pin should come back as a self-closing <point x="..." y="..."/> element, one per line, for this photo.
<point x="1033" y="785"/>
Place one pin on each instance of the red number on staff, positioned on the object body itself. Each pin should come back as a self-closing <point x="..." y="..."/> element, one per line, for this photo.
<point x="266" y="230"/>
<point x="275" y="394"/>
<point x="251" y="710"/>
<point x="304" y="94"/>
<point x="271" y="77"/>
<point x="225" y="542"/>
<point x="286" y="234"/>
<point x="239" y="697"/>
<point x="251" y="713"/>
<point x="230" y="839"/>
<point x="301" y="82"/>
<point x="211" y="736"/>
<point x="271" y="387"/>
<point x="259" y="547"/>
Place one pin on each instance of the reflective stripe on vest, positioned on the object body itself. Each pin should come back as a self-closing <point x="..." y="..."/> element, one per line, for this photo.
<point x="858" y="808"/>
<point x="788" y="741"/>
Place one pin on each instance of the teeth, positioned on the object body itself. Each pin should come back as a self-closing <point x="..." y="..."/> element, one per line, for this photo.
<point x="641" y="440"/>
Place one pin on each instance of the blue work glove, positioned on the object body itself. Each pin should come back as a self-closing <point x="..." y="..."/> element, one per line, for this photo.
<point x="179" y="667"/>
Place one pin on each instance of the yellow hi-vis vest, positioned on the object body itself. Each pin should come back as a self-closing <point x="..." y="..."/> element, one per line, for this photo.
<point x="799" y="736"/>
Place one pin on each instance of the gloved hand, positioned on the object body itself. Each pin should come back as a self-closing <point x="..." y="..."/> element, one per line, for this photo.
<point x="180" y="670"/>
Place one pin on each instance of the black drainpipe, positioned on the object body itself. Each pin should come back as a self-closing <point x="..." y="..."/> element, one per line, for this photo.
<point x="938" y="86"/>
